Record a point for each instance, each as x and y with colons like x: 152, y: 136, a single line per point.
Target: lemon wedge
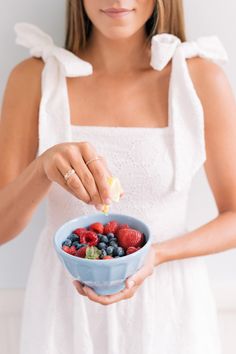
x: 115, y: 190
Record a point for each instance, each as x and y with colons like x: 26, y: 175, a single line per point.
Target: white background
x: 202, y: 18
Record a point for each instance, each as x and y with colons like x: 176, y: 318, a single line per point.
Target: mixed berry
x: 98, y: 241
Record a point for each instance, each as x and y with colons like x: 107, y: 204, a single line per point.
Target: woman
x: 128, y: 88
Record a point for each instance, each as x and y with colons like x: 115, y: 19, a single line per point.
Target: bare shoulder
x: 206, y: 74
x: 27, y: 72
x: 30, y: 65
x: 212, y: 86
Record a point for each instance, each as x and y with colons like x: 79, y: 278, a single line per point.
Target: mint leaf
x: 92, y: 252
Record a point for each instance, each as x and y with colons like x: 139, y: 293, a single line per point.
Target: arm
x: 22, y: 181
x: 219, y: 107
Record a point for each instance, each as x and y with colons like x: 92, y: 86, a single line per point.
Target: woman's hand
x: 89, y: 183
x: 132, y: 283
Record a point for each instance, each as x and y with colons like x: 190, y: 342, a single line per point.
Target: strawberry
x: 79, y: 231
x: 130, y: 238
x: 107, y: 257
x: 110, y: 227
x: 81, y: 252
x: 132, y: 250
x: 97, y: 227
x: 121, y: 226
x: 89, y: 237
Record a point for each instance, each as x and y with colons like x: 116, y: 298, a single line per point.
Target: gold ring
x: 69, y: 173
x: 94, y: 159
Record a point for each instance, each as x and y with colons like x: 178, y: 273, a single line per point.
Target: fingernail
x: 108, y: 201
x: 99, y: 207
x: 130, y: 284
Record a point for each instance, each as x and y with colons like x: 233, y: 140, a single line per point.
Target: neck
x: 119, y: 55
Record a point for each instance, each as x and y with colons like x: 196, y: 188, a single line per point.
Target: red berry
x: 66, y: 249
x: 110, y: 227
x: 89, y: 237
x: 107, y: 257
x: 121, y: 226
x: 130, y: 238
x: 132, y: 250
x: 79, y: 231
x: 97, y: 227
x: 71, y: 250
x: 81, y: 252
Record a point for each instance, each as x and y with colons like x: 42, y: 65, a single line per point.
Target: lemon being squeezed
x: 115, y: 192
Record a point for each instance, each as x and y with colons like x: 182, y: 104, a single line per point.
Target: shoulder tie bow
x: 186, y: 116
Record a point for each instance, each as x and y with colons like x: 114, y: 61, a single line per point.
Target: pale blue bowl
x: 103, y: 276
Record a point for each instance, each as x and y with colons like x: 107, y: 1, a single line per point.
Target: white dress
x: 173, y: 312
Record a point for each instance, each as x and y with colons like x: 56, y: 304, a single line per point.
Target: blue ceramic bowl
x: 103, y: 276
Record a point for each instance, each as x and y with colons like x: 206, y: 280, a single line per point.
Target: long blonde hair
x: 167, y: 17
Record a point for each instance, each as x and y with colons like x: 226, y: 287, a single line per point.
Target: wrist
x: 41, y: 171
x: 160, y: 256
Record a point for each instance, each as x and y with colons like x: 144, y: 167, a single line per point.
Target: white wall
x: 202, y: 18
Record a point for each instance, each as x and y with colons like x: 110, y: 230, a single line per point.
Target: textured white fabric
x: 173, y: 312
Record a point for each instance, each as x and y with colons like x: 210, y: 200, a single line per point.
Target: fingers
x: 89, y: 183
x: 109, y: 299
x: 79, y: 287
x: 86, y: 178
x: 99, y: 171
x: 74, y: 183
x: 145, y: 271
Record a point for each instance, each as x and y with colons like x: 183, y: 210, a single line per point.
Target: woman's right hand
x: 89, y: 183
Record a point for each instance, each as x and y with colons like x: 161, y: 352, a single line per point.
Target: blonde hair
x: 167, y: 17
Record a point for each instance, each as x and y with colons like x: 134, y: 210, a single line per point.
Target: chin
x: 116, y: 34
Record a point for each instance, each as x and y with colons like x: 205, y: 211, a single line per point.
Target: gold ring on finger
x: 94, y: 159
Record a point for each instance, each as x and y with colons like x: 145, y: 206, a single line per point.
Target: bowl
x: 108, y: 276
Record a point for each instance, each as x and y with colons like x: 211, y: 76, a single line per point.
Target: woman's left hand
x: 132, y: 283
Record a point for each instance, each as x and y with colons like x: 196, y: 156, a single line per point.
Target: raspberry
x: 132, y: 250
x: 110, y: 227
x: 79, y: 231
x: 130, y: 238
x: 81, y: 252
x: 70, y: 250
x: 89, y: 237
x: 66, y: 248
x: 97, y: 227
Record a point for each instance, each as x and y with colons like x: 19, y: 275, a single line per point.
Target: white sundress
x: 173, y: 312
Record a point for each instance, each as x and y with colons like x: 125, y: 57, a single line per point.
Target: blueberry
x: 102, y: 246
x: 100, y: 235
x: 67, y: 242
x: 73, y: 237
x: 104, y: 239
x: 113, y: 239
x: 110, y: 250
x: 119, y: 251
x: 77, y: 244
x: 110, y: 235
x: 103, y: 253
x: 113, y: 243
